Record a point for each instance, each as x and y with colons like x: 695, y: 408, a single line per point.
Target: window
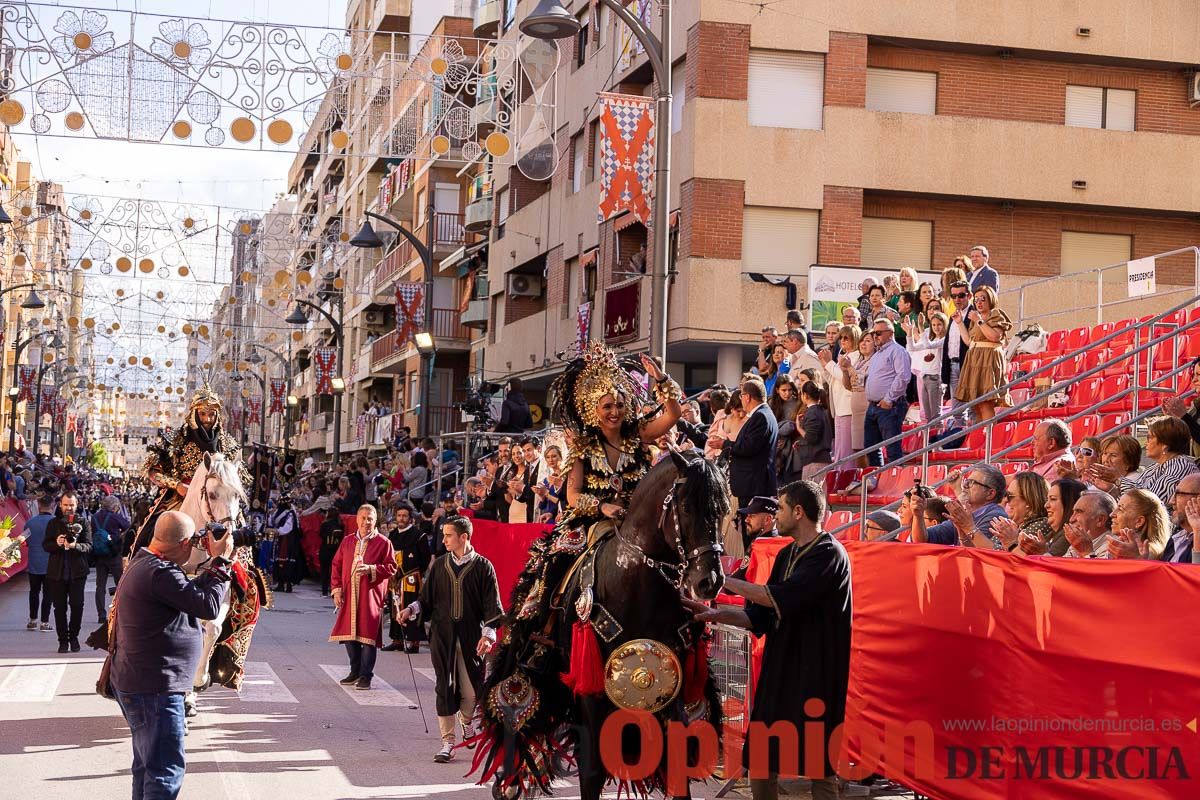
x: 786, y: 89
x: 603, y: 23
x: 578, y: 161
x: 896, y: 243
x: 502, y: 201
x: 594, y: 138
x: 581, y: 38
x: 589, y: 281
x: 1096, y: 107
x: 1086, y: 251
x: 679, y: 90
x: 901, y: 90
x: 572, y: 301
x: 778, y: 241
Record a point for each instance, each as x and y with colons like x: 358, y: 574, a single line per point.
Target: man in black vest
x: 751, y: 455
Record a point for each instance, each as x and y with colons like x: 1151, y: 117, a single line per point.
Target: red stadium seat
x: 1084, y: 393
x: 1194, y: 314
x: 1112, y: 424
x: 1056, y: 342
x: 1113, y: 385
x: 837, y: 482
x: 974, y: 440
x: 1102, y: 330
x: 1077, y: 338
x: 1024, y: 435
x: 839, y: 518
x: 892, y: 483
x: 1068, y: 368
x: 1013, y: 467
x: 1084, y: 427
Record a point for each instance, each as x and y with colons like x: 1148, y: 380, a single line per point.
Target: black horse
x: 667, y: 544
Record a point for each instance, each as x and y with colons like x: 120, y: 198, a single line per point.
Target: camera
x: 479, y: 401
x: 919, y: 489
x: 73, y: 531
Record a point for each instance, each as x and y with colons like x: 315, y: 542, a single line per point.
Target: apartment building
x: 417, y: 184
x: 854, y: 135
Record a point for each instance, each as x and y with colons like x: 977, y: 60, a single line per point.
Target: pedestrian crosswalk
x: 38, y: 680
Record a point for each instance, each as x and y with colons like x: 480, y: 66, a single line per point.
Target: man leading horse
x: 172, y: 464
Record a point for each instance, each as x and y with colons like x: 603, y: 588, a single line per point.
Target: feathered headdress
x: 595, y: 372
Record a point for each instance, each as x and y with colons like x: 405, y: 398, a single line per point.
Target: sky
x: 195, y: 175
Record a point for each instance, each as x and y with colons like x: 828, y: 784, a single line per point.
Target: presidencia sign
x: 831, y: 289
x: 1141, y: 277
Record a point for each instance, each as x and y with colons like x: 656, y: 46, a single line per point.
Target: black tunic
x: 807, y: 653
x: 412, y: 559
x: 458, y: 601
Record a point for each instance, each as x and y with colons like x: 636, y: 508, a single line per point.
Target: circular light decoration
x: 73, y: 121
x: 245, y: 392
x: 168, y: 363
x: 227, y: 366
x: 71, y: 361
x: 297, y: 336
x: 344, y: 61
x: 280, y: 131
x: 20, y: 260
x: 116, y: 326
x: 170, y: 334
x: 189, y: 223
x: 159, y: 295
x: 120, y: 292
x: 497, y: 144
x: 48, y: 358
x: 242, y: 129
x: 11, y: 113
x: 440, y: 145
x: 146, y: 361
x: 282, y: 277
x: 182, y: 129
x: 184, y: 271
x: 187, y: 328
x: 182, y: 49
x: 124, y: 264
x: 86, y: 263
x: 82, y: 41
x: 271, y: 303
x: 232, y: 301
x: 47, y: 321
x: 103, y: 387
x: 73, y: 322
x: 247, y: 276
x: 339, y: 139
x: 204, y: 331
x: 146, y: 265
x: 168, y: 390
x: 162, y: 328
x: 304, y: 278
x: 132, y: 360
x: 228, y: 334
x: 339, y: 283
x: 109, y: 360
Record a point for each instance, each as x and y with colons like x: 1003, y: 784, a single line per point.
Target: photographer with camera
x: 156, y: 644
x: 69, y: 542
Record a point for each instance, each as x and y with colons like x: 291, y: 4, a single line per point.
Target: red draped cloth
x: 999, y: 676
x: 358, y: 620
x: 507, y: 547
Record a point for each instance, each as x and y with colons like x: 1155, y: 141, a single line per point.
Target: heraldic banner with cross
x: 627, y: 133
x: 410, y: 309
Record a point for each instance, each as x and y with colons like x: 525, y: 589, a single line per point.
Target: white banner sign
x: 830, y: 289
x: 1141, y: 277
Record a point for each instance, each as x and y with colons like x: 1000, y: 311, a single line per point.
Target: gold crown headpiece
x: 603, y: 374
x: 204, y: 396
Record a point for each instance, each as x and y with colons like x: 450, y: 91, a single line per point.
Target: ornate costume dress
x: 525, y: 700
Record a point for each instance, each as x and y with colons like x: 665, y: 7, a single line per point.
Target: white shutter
x: 504, y: 206
x: 786, y: 90
x: 1084, y: 106
x: 778, y: 241
x: 579, y: 160
x: 1085, y: 251
x: 901, y: 90
x: 1118, y: 109
x: 896, y: 243
x: 679, y: 98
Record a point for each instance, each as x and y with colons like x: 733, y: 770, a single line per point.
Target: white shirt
x: 804, y: 358
x: 841, y: 398
x: 920, y: 347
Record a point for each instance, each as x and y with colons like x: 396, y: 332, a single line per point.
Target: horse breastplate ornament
x: 643, y: 675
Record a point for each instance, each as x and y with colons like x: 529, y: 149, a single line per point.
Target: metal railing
x: 1158, y: 321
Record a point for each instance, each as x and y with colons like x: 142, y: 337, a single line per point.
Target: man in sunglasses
x: 970, y: 522
x: 956, y: 344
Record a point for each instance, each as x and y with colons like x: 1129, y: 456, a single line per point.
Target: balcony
x: 386, y: 348
x: 476, y: 315
x: 448, y: 232
x: 447, y: 325
x: 448, y: 330
x: 478, y: 217
x: 484, y: 114
x: 487, y: 18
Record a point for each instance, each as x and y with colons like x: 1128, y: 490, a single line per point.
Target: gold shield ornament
x: 642, y: 675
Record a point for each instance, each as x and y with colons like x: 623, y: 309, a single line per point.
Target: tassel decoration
x: 695, y: 672
x: 586, y: 676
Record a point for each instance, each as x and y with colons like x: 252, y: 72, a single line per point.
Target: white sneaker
x: 445, y: 754
x: 46, y: 626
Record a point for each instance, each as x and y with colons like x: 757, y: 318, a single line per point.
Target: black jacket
x: 76, y: 560
x: 810, y: 444
x: 692, y: 432
x: 962, y: 351
x: 514, y: 414
x: 752, y: 456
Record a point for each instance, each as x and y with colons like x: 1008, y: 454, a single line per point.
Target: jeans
x: 110, y: 565
x: 362, y: 659
x: 62, y: 594
x: 157, y: 724
x: 39, y: 591
x: 881, y: 425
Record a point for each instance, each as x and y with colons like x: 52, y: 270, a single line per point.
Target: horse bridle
x: 206, y: 506
x: 673, y: 572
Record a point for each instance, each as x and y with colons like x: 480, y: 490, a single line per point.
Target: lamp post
x: 14, y: 392
x: 550, y: 20
x: 298, y: 317
x: 255, y: 358
x: 366, y: 238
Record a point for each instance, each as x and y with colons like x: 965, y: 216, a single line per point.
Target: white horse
x: 215, y: 494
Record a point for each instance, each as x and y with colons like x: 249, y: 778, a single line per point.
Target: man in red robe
x: 359, y: 579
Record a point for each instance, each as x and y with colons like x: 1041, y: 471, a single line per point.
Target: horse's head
x: 702, y: 504
x: 222, y: 494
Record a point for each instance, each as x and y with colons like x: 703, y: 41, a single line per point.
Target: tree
x: 98, y: 456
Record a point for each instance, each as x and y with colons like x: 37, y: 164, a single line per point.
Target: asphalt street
x: 292, y: 731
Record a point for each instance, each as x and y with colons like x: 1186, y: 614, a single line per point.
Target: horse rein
x: 672, y: 572
x: 206, y: 506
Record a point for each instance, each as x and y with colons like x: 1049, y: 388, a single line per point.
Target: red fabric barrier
x: 310, y: 537
x: 507, y: 547
x: 11, y: 508
x: 1022, y: 677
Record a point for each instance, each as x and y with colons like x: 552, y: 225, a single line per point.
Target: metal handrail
x: 923, y: 452
x: 1048, y: 366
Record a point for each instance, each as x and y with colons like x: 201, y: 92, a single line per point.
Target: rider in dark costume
x: 597, y: 400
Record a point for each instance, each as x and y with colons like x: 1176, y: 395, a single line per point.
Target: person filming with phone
x: 154, y: 629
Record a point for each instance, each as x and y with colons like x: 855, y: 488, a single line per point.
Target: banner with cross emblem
x: 627, y: 133
x: 410, y: 309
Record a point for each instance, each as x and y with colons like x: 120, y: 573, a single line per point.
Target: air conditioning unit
x: 1194, y: 89
x: 524, y: 286
x: 373, y: 317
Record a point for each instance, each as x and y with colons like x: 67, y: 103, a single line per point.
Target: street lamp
x: 550, y: 20
x: 298, y: 317
x: 366, y: 238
